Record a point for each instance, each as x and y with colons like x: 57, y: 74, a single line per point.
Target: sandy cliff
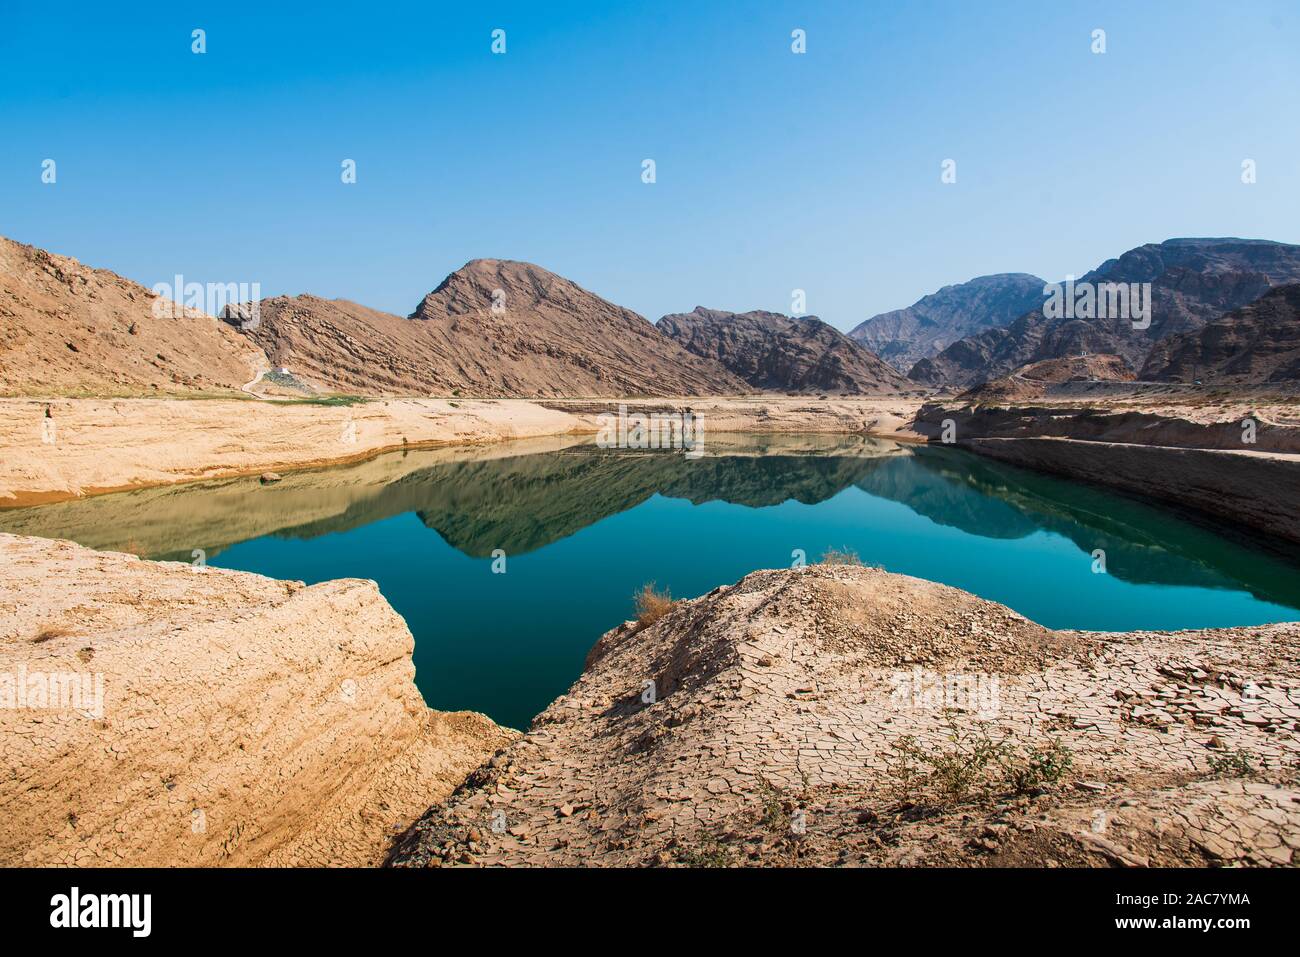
x: 87, y: 446
x: 226, y: 718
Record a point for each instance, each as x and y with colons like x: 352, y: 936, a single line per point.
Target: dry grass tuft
x: 651, y: 604
x: 840, y: 556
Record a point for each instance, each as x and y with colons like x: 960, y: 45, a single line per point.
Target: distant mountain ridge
x: 781, y: 353
x: 1193, y: 281
x: 903, y: 337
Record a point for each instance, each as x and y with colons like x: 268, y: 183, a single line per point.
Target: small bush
x: 651, y: 604
x: 1039, y: 768
x: 1235, y: 764
x: 976, y: 765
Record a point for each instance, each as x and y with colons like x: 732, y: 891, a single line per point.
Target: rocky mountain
x: 492, y: 328
x: 66, y: 328
x: 1034, y: 380
x: 779, y: 353
x: 1257, y: 343
x: 1193, y: 281
x: 903, y: 337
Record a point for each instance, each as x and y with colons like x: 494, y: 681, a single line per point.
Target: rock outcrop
x: 772, y: 352
x: 1258, y: 343
x: 159, y: 714
x: 904, y: 337
x: 840, y: 715
x: 67, y: 329
x: 1193, y: 281
x: 491, y: 328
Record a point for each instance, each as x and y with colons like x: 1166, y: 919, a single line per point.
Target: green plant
x: 1038, y: 769
x: 710, y: 853
x: 975, y: 764
x: 776, y: 816
x: 1234, y: 764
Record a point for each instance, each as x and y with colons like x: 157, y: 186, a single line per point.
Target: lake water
x: 582, y: 528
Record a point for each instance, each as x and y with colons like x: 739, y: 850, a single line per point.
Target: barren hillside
x: 1257, y: 343
x: 68, y: 329
x: 492, y: 328
x: 782, y: 353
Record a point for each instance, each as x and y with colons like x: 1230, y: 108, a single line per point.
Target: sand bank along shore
x: 155, y: 713
x: 90, y: 446
x: 840, y: 715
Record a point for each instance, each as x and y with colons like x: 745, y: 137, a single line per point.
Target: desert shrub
x: 1038, y: 768
x: 1235, y: 764
x: 651, y: 604
x: 975, y: 764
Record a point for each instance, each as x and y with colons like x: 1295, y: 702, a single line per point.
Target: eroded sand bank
x: 90, y: 446
x: 156, y: 713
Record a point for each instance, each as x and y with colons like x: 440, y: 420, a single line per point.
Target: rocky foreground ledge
x: 155, y: 713
x: 841, y: 715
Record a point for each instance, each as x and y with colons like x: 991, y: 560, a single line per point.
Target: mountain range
x: 906, y: 336
x: 1192, y: 282
x: 1220, y: 310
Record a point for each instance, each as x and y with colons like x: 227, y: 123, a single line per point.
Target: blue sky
x: 775, y: 171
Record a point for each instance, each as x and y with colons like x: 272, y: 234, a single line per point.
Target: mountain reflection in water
x: 583, y: 527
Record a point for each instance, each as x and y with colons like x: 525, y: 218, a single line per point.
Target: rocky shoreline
x: 840, y: 715
x: 1203, y: 465
x: 829, y: 715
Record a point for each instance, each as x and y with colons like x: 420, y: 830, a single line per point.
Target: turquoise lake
x: 582, y: 528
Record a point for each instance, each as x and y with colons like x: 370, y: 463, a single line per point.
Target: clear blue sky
x: 775, y: 171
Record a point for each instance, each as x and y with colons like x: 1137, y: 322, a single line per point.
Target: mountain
x: 67, y: 328
x: 493, y: 328
x: 1033, y: 381
x: 905, y: 336
x: 1193, y: 281
x: 1257, y: 343
x: 783, y: 354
